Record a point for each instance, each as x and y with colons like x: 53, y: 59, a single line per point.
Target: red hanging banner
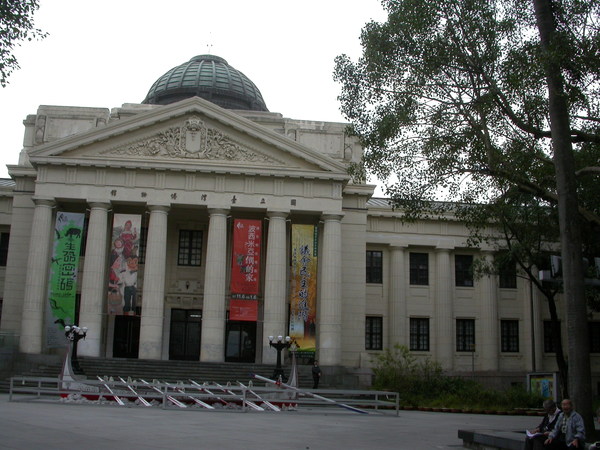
x: 245, y: 265
x: 245, y: 310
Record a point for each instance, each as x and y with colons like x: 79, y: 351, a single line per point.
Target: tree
x: 463, y: 98
x: 523, y: 234
x: 16, y: 25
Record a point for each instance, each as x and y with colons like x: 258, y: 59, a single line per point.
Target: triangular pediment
x: 191, y: 134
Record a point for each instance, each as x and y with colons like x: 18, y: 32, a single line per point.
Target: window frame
x: 548, y: 331
x: 189, y: 255
x: 373, y: 333
x: 509, y: 336
x: 374, y: 272
x: 463, y: 276
x: 507, y: 274
x: 419, y: 334
x: 419, y: 275
x: 465, y: 335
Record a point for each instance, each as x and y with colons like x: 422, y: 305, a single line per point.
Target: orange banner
x: 303, y: 289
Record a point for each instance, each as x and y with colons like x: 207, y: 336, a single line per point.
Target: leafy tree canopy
x: 16, y: 25
x: 452, y: 97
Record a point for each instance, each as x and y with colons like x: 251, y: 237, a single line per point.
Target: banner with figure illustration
x: 303, y: 289
x: 62, y: 279
x: 123, y: 264
x: 245, y: 270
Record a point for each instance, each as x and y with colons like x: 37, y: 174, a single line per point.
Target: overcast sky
x: 107, y: 53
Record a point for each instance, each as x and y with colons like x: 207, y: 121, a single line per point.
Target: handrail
x: 161, y: 392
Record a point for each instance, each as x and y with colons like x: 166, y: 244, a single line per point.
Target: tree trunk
x: 563, y: 372
x: 580, y: 383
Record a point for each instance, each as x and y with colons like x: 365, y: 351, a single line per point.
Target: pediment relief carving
x: 193, y: 140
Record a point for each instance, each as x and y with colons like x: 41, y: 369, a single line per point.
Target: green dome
x: 209, y: 77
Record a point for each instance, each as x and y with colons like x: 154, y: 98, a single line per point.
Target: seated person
x: 542, y: 431
x: 569, y: 431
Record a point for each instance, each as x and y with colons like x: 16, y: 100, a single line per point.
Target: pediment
x: 193, y: 134
x: 191, y: 139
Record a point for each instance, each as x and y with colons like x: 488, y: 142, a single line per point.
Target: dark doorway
x: 241, y: 342
x: 184, y: 341
x: 126, y: 341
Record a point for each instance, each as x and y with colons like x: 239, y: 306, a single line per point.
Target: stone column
x: 153, y: 299
x: 397, y: 322
x: 275, y: 311
x: 444, y: 311
x: 93, y: 283
x: 36, y: 280
x: 487, y: 350
x: 213, y: 310
x: 329, y: 330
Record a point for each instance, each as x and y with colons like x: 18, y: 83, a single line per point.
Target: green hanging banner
x: 62, y: 280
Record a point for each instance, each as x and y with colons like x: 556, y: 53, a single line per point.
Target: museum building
x: 197, y: 224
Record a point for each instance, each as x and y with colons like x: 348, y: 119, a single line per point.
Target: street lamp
x: 279, y: 346
x: 74, y: 334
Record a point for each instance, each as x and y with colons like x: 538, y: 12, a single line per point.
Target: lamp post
x: 279, y: 346
x: 74, y: 334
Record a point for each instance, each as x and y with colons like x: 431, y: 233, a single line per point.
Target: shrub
x: 421, y: 382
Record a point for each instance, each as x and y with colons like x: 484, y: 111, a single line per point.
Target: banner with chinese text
x: 123, y: 264
x: 62, y: 279
x: 245, y: 269
x: 303, y: 289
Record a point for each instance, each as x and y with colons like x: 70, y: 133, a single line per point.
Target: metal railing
x: 200, y: 395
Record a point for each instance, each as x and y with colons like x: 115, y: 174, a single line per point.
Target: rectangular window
x: 419, y: 334
x: 508, y: 274
x: 374, y: 333
x: 594, y: 331
x: 190, y: 248
x: 419, y: 269
x: 463, y: 270
x: 509, y: 335
x: 549, y: 346
x: 4, y: 237
x: 374, y: 266
x: 465, y: 335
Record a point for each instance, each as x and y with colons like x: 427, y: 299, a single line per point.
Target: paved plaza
x: 54, y: 425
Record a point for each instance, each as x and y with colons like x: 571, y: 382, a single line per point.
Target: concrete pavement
x: 51, y: 424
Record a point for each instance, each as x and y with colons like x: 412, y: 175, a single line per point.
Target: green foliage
x: 453, y: 96
x: 16, y: 25
x: 421, y: 382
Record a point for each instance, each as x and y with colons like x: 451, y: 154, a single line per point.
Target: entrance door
x: 184, y: 341
x: 241, y: 342
x: 126, y: 340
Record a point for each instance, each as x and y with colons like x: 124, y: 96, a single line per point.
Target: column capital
x: 335, y: 217
x: 398, y: 247
x: 44, y: 201
x: 99, y: 204
x: 278, y: 214
x: 218, y: 210
x: 159, y: 208
x: 443, y: 248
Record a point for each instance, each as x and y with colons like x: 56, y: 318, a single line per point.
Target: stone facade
x: 192, y: 165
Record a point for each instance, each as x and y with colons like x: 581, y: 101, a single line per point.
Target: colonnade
x: 93, y: 283
x: 444, y: 315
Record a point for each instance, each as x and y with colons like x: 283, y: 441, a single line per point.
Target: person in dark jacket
x: 316, y: 374
x: 541, y: 433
